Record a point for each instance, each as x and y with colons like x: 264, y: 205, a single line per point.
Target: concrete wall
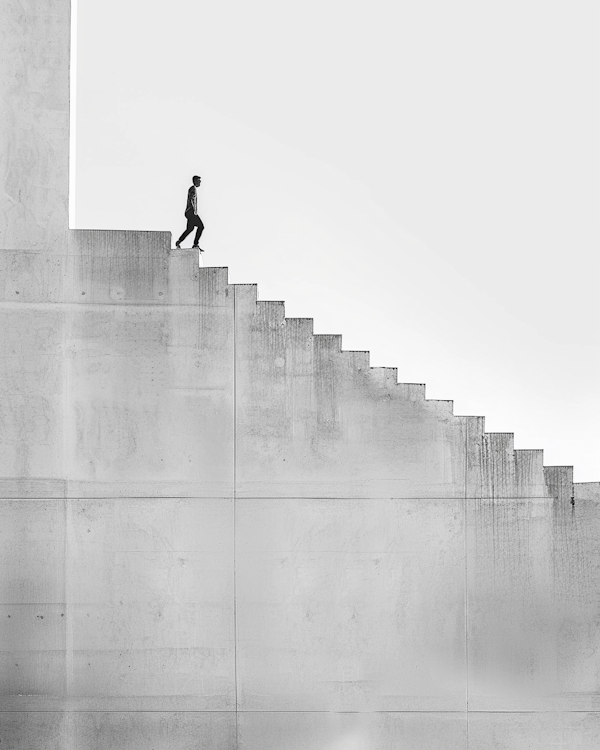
x: 222, y: 530
x: 34, y: 135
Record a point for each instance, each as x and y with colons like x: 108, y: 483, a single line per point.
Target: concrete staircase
x: 213, y: 515
x: 310, y: 389
x: 220, y: 530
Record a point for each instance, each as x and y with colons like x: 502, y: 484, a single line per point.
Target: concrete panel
x: 125, y: 731
x: 151, y: 604
x: 534, y: 731
x: 105, y: 267
x: 32, y: 599
x: 152, y: 397
x: 34, y: 276
x: 511, y: 626
x: 534, y: 609
x: 120, y: 266
x: 140, y: 617
x: 151, y: 401
x: 32, y: 667
x: 350, y: 605
x: 32, y: 393
x: 33, y: 731
x: 314, y: 421
x: 34, y: 112
x: 352, y: 731
x: 120, y: 400
x: 576, y: 566
x: 32, y: 552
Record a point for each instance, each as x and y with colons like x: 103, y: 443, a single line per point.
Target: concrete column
x: 35, y: 40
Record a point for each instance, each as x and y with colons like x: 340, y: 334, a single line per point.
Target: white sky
x: 422, y: 177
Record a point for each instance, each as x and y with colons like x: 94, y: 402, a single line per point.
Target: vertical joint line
x: 68, y: 596
x: 466, y: 550
x: 235, y: 678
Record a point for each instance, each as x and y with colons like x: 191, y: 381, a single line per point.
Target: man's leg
x: 199, y: 229
x: 188, y: 230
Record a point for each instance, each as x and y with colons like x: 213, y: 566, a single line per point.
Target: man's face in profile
x: 197, y: 181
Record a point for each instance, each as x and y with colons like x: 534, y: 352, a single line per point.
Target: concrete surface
x: 34, y: 111
x: 350, y: 605
x: 158, y: 572
x: 80, y: 730
x: 90, y: 383
x: 313, y: 421
x: 219, y: 530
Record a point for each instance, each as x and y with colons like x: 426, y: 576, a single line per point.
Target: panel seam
x: 235, y: 679
x: 466, y: 578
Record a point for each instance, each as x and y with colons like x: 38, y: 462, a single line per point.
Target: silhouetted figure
x: 191, y: 214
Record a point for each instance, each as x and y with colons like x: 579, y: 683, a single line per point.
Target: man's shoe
x: 196, y: 247
x: 178, y: 244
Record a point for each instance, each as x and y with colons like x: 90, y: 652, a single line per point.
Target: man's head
x: 196, y: 180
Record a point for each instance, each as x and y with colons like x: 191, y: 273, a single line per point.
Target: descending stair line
x: 523, y: 466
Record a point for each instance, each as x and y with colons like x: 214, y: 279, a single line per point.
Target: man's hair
x: 195, y: 177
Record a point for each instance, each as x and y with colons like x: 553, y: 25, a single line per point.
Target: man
x: 191, y: 214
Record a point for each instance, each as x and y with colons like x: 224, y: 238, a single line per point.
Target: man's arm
x: 193, y: 196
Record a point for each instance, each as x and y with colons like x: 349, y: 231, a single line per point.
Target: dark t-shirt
x: 192, y: 201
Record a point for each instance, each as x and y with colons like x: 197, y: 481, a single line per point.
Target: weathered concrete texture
x: 33, y: 631
x: 117, y: 604
x: 123, y: 391
x: 219, y: 530
x: 495, y: 469
x: 533, y: 599
x: 350, y: 605
x: 510, y: 612
x: 576, y: 566
x: 34, y: 112
x: 352, y: 731
x: 151, y: 595
x: 32, y: 382
x: 315, y: 421
x: 123, y: 730
x: 100, y: 267
x: 534, y: 731
x: 139, y: 363
x: 247, y: 517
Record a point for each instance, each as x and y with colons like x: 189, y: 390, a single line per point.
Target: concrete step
x: 559, y: 483
x: 496, y: 468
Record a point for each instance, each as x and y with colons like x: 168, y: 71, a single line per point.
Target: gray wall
x: 218, y: 525
x: 34, y: 117
x: 220, y: 530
